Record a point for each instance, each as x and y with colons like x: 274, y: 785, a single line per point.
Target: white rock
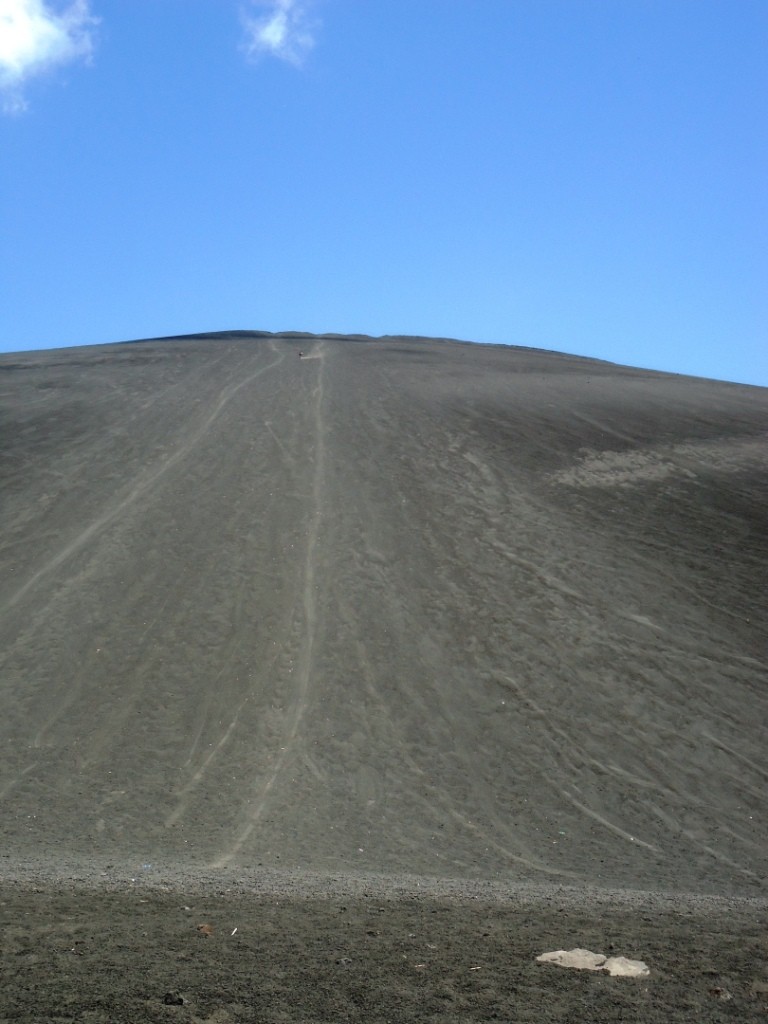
x: 581, y: 959
x: 586, y: 960
x: 620, y: 966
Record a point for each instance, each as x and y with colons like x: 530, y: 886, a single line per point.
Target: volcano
x: 406, y: 609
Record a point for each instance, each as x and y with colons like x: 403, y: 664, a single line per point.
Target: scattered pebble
x: 720, y: 993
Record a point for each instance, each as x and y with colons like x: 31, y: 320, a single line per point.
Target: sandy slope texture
x: 399, y: 606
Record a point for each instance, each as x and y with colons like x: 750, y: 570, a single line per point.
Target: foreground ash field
x: 401, y: 620
x: 400, y: 606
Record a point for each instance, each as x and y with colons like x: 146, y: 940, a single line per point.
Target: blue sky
x: 580, y: 175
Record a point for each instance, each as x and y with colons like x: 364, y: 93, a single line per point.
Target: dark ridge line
x: 371, y: 338
x: 255, y: 335
x: 421, y: 338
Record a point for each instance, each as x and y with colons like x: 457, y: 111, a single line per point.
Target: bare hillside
x: 400, y: 606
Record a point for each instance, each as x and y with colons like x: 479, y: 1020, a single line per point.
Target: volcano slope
x: 410, y: 614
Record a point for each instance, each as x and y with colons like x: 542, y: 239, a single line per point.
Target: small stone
x: 720, y: 993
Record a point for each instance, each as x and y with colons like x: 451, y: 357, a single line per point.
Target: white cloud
x: 282, y: 29
x: 35, y: 37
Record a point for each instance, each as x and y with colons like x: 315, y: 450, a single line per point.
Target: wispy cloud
x: 282, y: 28
x: 35, y: 37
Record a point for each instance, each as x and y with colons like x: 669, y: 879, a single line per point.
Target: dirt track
x: 400, y: 607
